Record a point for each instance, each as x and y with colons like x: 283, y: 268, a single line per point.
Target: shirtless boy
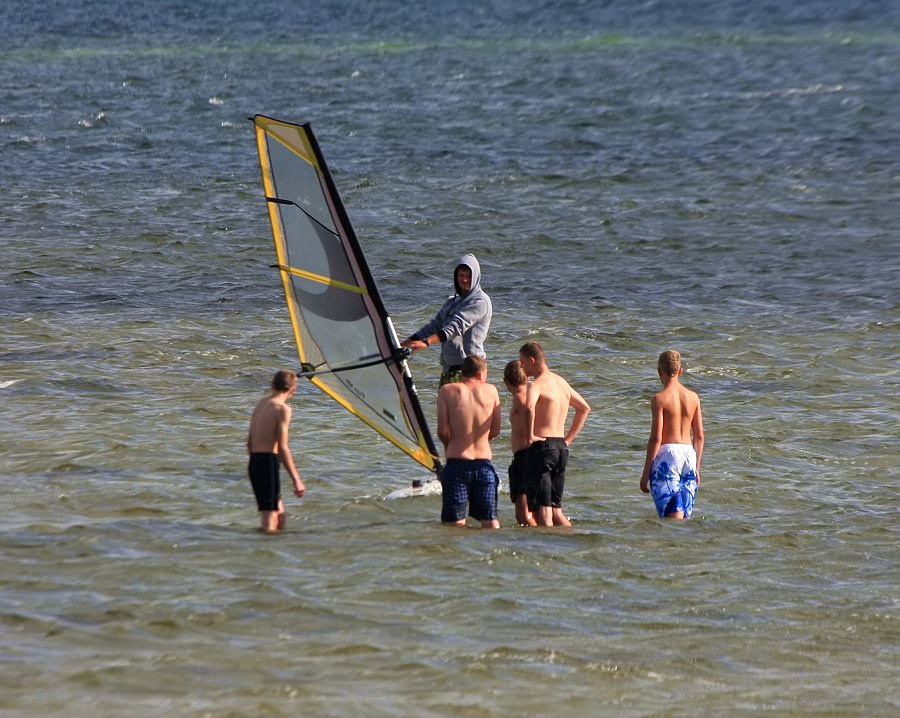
x: 517, y: 384
x: 547, y: 402
x: 468, y: 418
x: 672, y: 467
x: 267, y: 444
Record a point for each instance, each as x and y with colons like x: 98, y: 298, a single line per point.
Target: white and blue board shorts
x: 673, y: 479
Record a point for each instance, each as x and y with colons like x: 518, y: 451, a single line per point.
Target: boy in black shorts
x: 267, y: 444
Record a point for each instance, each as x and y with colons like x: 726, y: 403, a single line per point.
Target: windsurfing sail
x: 345, y: 339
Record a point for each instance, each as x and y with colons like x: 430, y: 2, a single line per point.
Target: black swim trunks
x: 546, y: 472
x: 518, y: 476
x: 263, y: 472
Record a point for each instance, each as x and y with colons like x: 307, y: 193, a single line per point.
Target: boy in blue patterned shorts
x: 468, y: 418
x: 672, y: 466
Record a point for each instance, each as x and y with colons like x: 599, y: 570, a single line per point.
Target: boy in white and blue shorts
x: 673, y: 479
x: 672, y: 465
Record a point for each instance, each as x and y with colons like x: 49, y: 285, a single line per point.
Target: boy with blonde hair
x: 672, y: 466
x: 519, y: 438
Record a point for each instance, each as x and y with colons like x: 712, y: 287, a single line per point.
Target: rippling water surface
x: 711, y: 177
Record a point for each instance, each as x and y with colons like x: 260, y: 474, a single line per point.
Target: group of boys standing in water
x: 468, y: 414
x: 469, y: 418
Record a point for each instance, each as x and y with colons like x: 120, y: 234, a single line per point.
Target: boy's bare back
x: 677, y: 408
x: 516, y: 383
x: 551, y: 408
x: 268, y: 434
x: 675, y: 415
x: 468, y: 418
x: 519, y: 434
x: 549, y: 398
x: 269, y: 419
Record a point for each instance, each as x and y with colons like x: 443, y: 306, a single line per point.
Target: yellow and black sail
x: 345, y: 339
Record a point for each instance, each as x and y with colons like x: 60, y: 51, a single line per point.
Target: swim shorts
x: 673, y: 479
x: 546, y: 472
x: 469, y: 484
x: 263, y: 472
x: 517, y: 474
x: 451, y: 374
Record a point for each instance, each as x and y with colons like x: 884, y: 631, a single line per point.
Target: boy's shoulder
x: 263, y: 404
x: 550, y: 379
x: 486, y: 389
x: 687, y: 390
x: 668, y: 389
x: 669, y: 392
x: 278, y: 407
x: 454, y: 389
x: 519, y: 398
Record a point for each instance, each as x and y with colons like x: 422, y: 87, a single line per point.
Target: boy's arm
x: 250, y: 429
x: 495, y: 417
x: 582, y: 409
x: 653, y: 443
x: 419, y: 340
x: 531, y: 396
x: 284, y: 451
x: 697, y: 436
x: 443, y: 418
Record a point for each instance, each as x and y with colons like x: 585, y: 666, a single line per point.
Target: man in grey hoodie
x: 461, y: 325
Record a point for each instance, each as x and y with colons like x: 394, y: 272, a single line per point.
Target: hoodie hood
x: 467, y: 260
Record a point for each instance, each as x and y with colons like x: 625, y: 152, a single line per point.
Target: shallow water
x: 714, y: 178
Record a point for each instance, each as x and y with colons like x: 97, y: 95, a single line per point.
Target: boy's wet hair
x: 669, y: 362
x: 514, y: 374
x: 533, y: 350
x: 284, y: 380
x: 472, y: 366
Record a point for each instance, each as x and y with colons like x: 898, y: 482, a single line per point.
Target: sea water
x: 716, y: 177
